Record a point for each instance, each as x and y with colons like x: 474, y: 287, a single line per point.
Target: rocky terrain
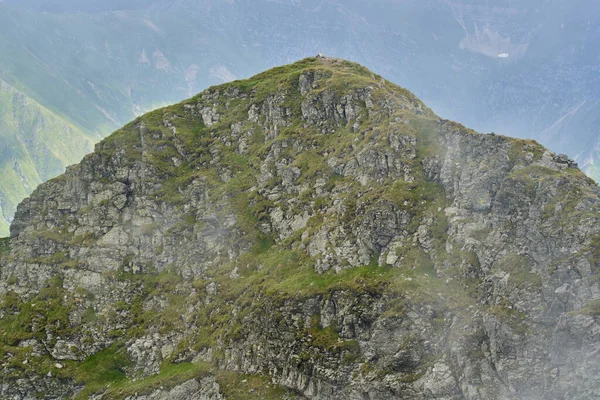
x: 74, y: 71
x: 314, y: 232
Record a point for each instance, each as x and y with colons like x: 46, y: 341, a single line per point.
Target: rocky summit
x: 314, y: 232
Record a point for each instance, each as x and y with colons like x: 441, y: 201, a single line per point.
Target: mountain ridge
x: 312, y: 232
x: 84, y: 61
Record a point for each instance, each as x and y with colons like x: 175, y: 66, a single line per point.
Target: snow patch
x: 143, y: 59
x: 160, y: 61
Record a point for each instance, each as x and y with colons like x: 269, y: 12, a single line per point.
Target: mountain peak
x: 315, y: 231
x: 319, y: 72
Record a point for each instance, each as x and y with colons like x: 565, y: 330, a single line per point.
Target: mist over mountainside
x: 527, y: 68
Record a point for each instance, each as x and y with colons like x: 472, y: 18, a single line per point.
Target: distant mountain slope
x: 36, y: 145
x: 527, y: 68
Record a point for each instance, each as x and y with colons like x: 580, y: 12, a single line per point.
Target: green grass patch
x: 519, y: 147
x: 507, y: 313
x: 101, y: 369
x: 105, y: 372
x: 4, y: 246
x: 236, y: 386
x: 46, y: 313
x: 519, y: 268
x: 592, y: 308
x: 536, y: 172
x: 170, y: 376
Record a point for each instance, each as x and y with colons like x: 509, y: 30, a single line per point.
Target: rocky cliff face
x: 314, y: 232
x: 470, y: 60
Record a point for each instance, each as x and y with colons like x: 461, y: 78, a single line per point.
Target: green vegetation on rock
x: 312, y: 230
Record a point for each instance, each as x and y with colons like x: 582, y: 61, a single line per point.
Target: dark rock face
x: 317, y: 228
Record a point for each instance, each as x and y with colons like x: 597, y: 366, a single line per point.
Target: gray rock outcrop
x: 316, y: 227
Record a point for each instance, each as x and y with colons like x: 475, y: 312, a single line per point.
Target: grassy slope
x: 36, y: 146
